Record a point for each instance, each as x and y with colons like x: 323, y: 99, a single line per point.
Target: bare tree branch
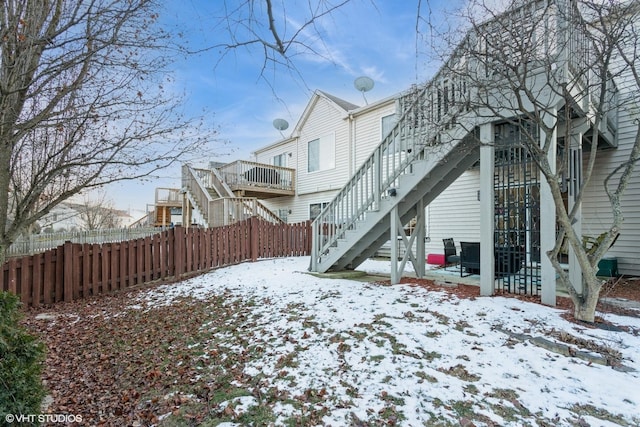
x: 278, y: 38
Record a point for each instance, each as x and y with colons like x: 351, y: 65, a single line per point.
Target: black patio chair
x: 469, y: 258
x: 450, y: 253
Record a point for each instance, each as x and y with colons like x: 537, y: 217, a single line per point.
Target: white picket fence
x: 29, y: 245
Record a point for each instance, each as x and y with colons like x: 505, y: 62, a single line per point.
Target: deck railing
x: 168, y: 196
x: 244, y: 174
x: 213, y: 180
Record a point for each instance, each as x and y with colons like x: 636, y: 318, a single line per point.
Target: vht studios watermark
x: 42, y: 418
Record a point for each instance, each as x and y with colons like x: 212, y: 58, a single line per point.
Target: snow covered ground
x: 373, y: 353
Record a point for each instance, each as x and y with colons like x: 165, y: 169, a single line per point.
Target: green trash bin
x: 608, y: 267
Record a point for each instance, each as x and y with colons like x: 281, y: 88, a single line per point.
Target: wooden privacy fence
x: 73, y: 271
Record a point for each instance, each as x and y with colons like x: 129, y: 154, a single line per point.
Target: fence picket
x: 86, y: 269
x: 76, y: 262
x: 170, y: 248
x: 13, y: 272
x: 67, y: 258
x: 37, y: 280
x: 215, y: 255
x: 25, y: 283
x: 95, y: 269
x: 147, y: 268
x: 59, y: 281
x: 131, y: 264
x: 124, y: 265
x: 115, y: 266
x: 105, y: 268
x: 49, y: 278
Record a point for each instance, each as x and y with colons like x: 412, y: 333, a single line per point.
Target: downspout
x: 352, y: 144
x: 297, y: 167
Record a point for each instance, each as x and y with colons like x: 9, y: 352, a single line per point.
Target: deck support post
x: 315, y: 245
x: 398, y: 238
x: 393, y: 240
x: 487, y: 210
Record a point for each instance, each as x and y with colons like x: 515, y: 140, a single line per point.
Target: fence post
x: 67, y: 256
x: 314, y: 244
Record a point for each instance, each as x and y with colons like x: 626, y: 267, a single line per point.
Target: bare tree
x: 98, y: 212
x: 85, y: 100
x: 553, y: 70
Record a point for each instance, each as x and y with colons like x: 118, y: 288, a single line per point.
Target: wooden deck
x: 251, y: 179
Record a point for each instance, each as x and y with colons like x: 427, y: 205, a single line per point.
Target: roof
x: 345, y: 105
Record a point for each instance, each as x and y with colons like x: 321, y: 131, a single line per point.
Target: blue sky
x: 374, y: 38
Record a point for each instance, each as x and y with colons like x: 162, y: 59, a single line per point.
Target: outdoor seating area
x: 467, y: 262
x: 508, y: 260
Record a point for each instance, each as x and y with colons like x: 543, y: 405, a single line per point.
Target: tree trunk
x: 585, y: 305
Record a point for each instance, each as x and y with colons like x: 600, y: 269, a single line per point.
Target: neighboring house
x: 63, y: 217
x: 69, y: 216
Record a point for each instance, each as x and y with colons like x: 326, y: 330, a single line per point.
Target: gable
x: 323, y: 100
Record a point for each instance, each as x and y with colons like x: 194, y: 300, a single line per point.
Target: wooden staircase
x: 216, y: 203
x: 414, y: 163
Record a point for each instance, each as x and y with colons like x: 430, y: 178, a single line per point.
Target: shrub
x: 21, y: 357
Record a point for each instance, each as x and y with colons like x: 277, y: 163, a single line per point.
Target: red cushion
x: 435, y: 259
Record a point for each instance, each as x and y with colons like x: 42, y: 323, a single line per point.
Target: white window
x: 386, y: 126
x: 321, y: 154
x: 280, y: 160
x: 388, y: 123
x: 313, y: 155
x: 283, y: 214
x: 315, y: 209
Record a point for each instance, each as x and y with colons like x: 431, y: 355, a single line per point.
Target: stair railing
x: 194, y: 181
x: 265, y: 213
x: 229, y: 210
